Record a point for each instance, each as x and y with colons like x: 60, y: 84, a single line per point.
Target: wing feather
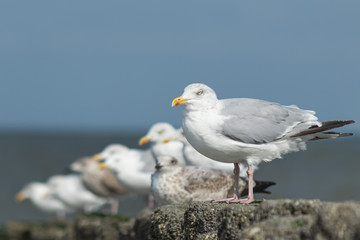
x: 256, y: 121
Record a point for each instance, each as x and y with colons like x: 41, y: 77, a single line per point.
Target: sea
x: 328, y: 170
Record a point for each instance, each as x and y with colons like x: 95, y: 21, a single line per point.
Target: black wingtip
x: 261, y: 186
x: 324, y: 127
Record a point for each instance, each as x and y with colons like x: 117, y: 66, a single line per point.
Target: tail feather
x: 329, y: 135
x: 324, y: 127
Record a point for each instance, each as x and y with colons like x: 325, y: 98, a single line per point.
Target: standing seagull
x: 101, y: 182
x: 41, y: 195
x: 243, y: 130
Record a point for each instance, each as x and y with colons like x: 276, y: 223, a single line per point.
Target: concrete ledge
x: 268, y: 219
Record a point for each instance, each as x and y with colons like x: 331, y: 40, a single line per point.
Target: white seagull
x: 42, y: 197
x: 70, y: 189
x: 250, y: 131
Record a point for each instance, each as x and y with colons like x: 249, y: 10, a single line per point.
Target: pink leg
x: 250, y: 197
x: 151, y: 201
x: 115, y: 207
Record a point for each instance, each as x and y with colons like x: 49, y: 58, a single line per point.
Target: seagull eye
x: 200, y: 92
x: 161, y: 131
x: 173, y: 161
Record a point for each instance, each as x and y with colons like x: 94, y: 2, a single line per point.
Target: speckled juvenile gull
x: 70, y: 189
x: 246, y: 130
x: 174, y: 184
x: 42, y: 198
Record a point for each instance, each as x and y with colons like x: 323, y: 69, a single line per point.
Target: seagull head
x: 80, y: 165
x: 113, y: 163
x: 197, y: 96
x: 31, y: 190
x: 109, y: 151
x: 158, y: 132
x: 166, y: 163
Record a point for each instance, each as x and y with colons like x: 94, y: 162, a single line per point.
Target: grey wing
x: 256, y: 121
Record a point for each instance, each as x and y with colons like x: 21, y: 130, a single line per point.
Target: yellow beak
x: 144, y: 140
x: 179, y: 100
x: 97, y: 157
x: 103, y: 166
x: 19, y: 197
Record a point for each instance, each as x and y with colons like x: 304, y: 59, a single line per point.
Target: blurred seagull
x: 249, y: 131
x: 132, y: 169
x: 174, y: 184
x: 41, y: 197
x: 70, y: 189
x: 101, y: 182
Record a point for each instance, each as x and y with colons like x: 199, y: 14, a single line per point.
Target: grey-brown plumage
x: 174, y: 184
x: 100, y: 182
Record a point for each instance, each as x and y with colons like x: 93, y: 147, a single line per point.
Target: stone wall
x: 269, y: 219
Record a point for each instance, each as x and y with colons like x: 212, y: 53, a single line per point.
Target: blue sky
x: 117, y: 65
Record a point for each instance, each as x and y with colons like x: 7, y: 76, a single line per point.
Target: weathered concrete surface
x: 269, y: 219
x: 56, y: 230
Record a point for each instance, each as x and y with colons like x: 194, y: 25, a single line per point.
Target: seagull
x: 132, y: 169
x: 101, y: 182
x: 42, y: 197
x: 249, y: 131
x: 175, y: 184
x: 157, y: 135
x: 70, y: 189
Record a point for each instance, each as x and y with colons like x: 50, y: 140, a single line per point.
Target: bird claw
x: 235, y: 199
x: 246, y: 201
x: 228, y: 200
